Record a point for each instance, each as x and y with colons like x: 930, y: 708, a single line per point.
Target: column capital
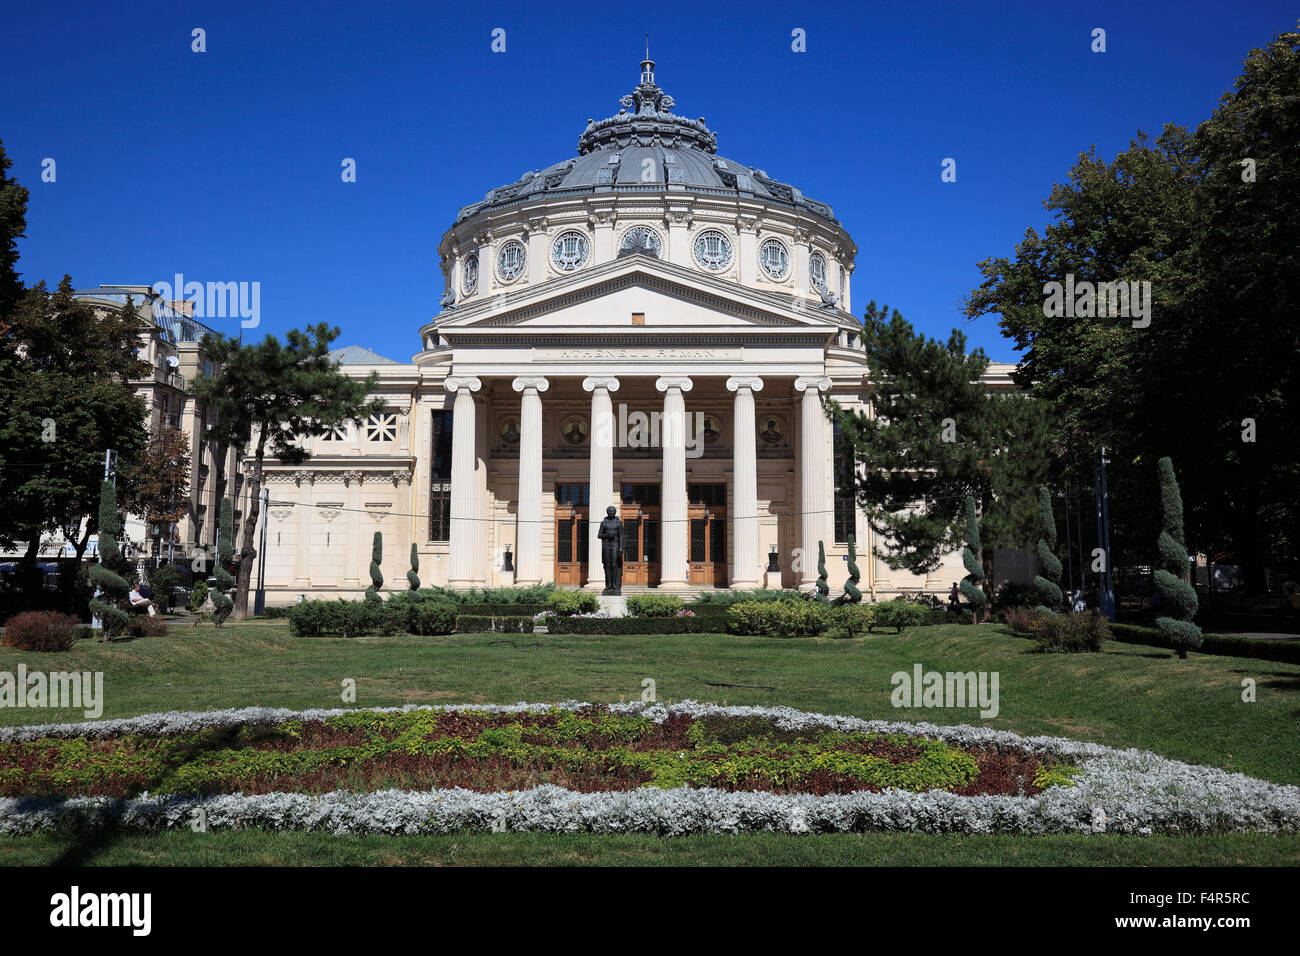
x: 751, y: 382
x: 674, y: 381
x: 525, y: 383
x: 607, y: 382
x: 818, y: 382
x: 454, y: 383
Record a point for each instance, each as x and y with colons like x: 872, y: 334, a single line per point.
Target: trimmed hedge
x: 573, y: 602
x: 1226, y: 645
x: 727, y: 598
x: 781, y: 618
x: 654, y: 605
x: 707, y: 624
x: 355, y: 618
x: 531, y: 595
x: 494, y: 623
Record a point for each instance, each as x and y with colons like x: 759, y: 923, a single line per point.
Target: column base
x: 745, y: 585
x: 672, y: 586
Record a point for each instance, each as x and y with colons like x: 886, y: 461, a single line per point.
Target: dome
x: 646, y: 148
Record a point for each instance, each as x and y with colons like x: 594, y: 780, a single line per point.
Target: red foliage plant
x: 42, y: 631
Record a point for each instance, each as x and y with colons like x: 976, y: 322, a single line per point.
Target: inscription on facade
x: 667, y: 352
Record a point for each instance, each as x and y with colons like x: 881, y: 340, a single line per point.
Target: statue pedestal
x: 615, y: 604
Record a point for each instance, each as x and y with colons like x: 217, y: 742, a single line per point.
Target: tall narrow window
x: 440, y: 478
x: 845, y: 506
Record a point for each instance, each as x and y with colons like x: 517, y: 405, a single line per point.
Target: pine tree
x: 1176, y: 595
x: 222, y: 604
x: 412, y: 576
x: 376, y: 577
x: 970, y: 585
x: 1049, y: 565
x: 114, y: 587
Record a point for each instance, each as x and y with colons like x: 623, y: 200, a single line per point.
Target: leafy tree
x: 971, y: 584
x: 1176, y: 595
x: 160, y: 478
x: 13, y: 226
x: 937, y: 436
x: 1212, y: 220
x: 1049, y: 565
x: 64, y: 373
x: 222, y: 604
x: 269, y: 395
x: 412, y: 576
x: 113, y: 587
x: 376, y: 576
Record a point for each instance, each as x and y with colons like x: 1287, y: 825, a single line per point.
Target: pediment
x: 669, y: 297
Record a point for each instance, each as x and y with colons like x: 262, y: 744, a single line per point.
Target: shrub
x: 1049, y: 592
x: 852, y: 620
x: 1283, y: 651
x: 1021, y: 620
x: 900, y: 613
x: 1015, y: 594
x: 703, y: 624
x: 376, y: 576
x: 781, y: 618
x: 433, y: 617
x: 198, y: 595
x: 492, y: 624
x: 277, y: 613
x: 573, y: 602
x: 851, y: 591
x: 112, y: 585
x: 970, y: 557
x: 142, y: 625
x: 728, y: 598
x: 654, y: 605
x: 536, y: 594
x: 1070, y: 633
x: 345, y: 618
x: 42, y: 631
x: 413, y: 575
x: 1177, y: 596
x: 162, y: 580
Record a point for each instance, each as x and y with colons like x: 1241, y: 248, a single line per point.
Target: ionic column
x: 602, y: 471
x: 528, y: 533
x: 674, y: 572
x: 463, y: 562
x: 746, y: 568
x: 814, y: 505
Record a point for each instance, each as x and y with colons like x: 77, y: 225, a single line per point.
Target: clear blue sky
x: 225, y: 165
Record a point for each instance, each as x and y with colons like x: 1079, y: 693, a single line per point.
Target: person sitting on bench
x: 139, y: 603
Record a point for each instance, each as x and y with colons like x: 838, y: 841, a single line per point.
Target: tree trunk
x: 986, y: 559
x: 247, y: 551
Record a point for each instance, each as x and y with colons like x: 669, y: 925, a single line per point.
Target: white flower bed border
x: 1118, y: 791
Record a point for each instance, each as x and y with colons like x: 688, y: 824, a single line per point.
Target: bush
x: 654, y: 605
x: 703, y: 624
x: 349, y: 618
x: 1021, y: 620
x: 537, y: 594
x: 1287, y: 652
x: 900, y: 613
x: 781, y: 618
x: 162, y: 580
x: 431, y: 618
x: 1069, y: 633
x: 493, y: 624
x: 142, y: 625
x: 277, y: 613
x: 573, y: 602
x: 43, y: 631
x: 852, y: 620
x: 1015, y: 594
x: 198, y: 595
x: 728, y: 598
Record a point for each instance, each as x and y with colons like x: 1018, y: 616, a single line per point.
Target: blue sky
x: 225, y: 165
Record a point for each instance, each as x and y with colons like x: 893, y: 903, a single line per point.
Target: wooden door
x: 641, y: 527
x: 706, y: 530
x: 571, y: 530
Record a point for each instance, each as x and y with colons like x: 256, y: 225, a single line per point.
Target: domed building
x: 647, y: 325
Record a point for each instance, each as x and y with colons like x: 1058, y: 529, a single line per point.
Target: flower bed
x: 685, y: 768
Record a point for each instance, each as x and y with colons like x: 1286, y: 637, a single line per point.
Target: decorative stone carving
x: 350, y: 477
x: 820, y: 383
x: 300, y: 476
x: 454, y: 383
x: 608, y: 383
x: 523, y: 383
x: 674, y: 381
x: 737, y: 382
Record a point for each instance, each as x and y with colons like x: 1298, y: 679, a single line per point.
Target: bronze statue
x: 611, y: 550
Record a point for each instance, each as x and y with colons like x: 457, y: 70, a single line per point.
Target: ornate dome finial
x: 647, y: 115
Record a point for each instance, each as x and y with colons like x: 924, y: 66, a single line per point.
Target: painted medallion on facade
x: 509, y: 431
x: 574, y: 430
x: 771, y: 429
x: 712, y: 428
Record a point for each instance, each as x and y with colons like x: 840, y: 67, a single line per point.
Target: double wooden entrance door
x: 706, y: 528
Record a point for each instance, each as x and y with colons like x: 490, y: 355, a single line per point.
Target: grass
x: 1128, y: 696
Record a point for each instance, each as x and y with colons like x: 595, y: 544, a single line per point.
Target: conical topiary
x: 412, y: 576
x: 1049, y: 565
x: 970, y: 557
x: 851, y: 585
x: 376, y: 577
x: 112, y: 586
x: 1178, y: 598
x: 222, y: 604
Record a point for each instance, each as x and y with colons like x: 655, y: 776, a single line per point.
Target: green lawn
x: 1128, y: 696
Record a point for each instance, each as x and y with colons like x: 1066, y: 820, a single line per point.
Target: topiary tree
x: 222, y: 603
x: 970, y: 585
x: 113, y: 587
x: 1049, y: 592
x: 852, y: 594
x: 412, y: 577
x: 376, y: 578
x: 821, y: 589
x: 1176, y: 595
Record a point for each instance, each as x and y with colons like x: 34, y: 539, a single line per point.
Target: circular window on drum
x: 643, y: 240
x: 713, y: 250
x: 569, y: 251
x: 510, y: 260
x: 470, y: 268
x: 817, y: 271
x: 774, y: 258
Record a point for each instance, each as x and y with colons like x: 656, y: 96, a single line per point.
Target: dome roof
x: 645, y: 148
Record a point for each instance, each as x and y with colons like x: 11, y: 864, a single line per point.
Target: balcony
x: 162, y: 376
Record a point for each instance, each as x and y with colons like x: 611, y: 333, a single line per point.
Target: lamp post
x: 1106, y: 593
x: 259, y: 602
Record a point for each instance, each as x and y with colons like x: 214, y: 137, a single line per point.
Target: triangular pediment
x: 667, y: 297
